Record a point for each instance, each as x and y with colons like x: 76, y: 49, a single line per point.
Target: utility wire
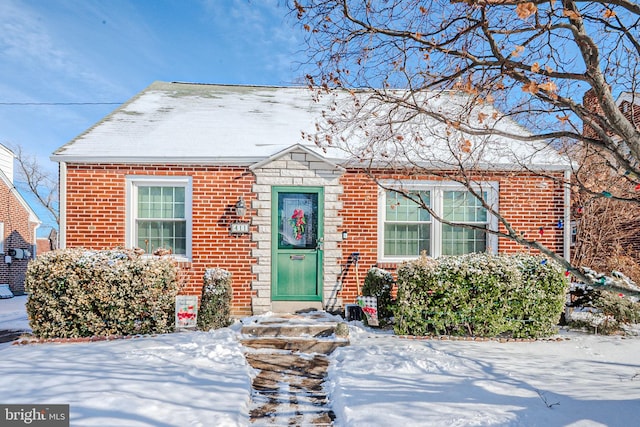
x: 60, y: 103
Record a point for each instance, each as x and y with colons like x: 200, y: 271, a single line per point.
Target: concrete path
x: 289, y: 354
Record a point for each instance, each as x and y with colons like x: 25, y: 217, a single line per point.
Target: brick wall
x: 96, y: 219
x: 18, y: 233
x: 528, y: 201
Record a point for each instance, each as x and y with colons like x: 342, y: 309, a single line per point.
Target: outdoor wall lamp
x: 241, y: 207
x: 345, y: 234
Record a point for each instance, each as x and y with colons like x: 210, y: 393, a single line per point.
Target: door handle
x: 320, y: 245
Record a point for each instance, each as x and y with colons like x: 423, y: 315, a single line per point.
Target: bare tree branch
x: 39, y: 182
x: 534, y: 60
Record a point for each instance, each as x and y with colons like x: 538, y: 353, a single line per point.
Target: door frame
x: 275, y: 190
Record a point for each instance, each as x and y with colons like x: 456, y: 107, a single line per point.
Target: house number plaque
x: 239, y: 228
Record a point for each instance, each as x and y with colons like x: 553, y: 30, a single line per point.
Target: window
x: 407, y: 227
x: 464, y: 208
x: 2, y: 237
x: 407, y: 230
x: 159, y: 213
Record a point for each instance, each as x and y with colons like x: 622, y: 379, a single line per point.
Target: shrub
x: 605, y: 311
x: 215, y: 303
x: 480, y: 295
x: 378, y: 283
x: 82, y: 293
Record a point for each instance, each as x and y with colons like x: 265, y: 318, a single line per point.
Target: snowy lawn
x: 201, y: 379
x: 182, y: 379
x: 585, y: 381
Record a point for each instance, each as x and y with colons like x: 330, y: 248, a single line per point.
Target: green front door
x: 297, y: 227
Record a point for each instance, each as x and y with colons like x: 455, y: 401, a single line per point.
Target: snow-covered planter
x: 378, y: 283
x: 480, y: 295
x: 83, y: 293
x: 215, y: 303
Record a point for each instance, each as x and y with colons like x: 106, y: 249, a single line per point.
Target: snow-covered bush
x: 215, y: 303
x: 480, y: 295
x: 605, y: 311
x: 82, y: 293
x: 379, y: 283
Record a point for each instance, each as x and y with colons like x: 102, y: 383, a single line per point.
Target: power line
x: 60, y: 103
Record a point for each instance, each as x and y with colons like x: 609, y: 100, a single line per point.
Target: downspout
x: 34, y: 246
x: 567, y: 215
x: 62, y: 233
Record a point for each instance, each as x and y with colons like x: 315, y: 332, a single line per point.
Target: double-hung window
x: 462, y: 207
x: 407, y: 230
x: 407, y: 227
x: 159, y: 214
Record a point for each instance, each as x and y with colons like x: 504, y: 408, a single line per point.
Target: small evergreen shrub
x: 215, y: 303
x: 81, y: 293
x: 605, y: 311
x: 480, y: 295
x: 378, y: 283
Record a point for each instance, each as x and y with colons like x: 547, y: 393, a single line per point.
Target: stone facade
x: 302, y: 168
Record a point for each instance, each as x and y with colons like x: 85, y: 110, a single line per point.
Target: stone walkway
x: 289, y: 354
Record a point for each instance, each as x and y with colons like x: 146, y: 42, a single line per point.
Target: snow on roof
x: 219, y: 124
x: 630, y: 97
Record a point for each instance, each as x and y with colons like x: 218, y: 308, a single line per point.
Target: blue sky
x: 91, y: 51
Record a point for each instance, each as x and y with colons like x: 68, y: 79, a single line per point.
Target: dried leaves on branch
x: 533, y: 60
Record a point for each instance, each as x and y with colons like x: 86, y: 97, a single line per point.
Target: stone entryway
x: 289, y: 354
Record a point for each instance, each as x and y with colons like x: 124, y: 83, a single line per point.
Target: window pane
x: 161, y: 202
x: 297, y: 220
x: 162, y: 234
x: 462, y: 206
x: 399, y: 208
x: 407, y: 239
x: 461, y: 240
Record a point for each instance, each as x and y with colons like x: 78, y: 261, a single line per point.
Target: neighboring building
x: 629, y: 105
x: 222, y: 177
x: 18, y: 224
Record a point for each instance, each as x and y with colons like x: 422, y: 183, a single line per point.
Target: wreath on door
x: 298, y: 221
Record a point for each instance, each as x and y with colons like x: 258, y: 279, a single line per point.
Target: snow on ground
x: 201, y: 379
x: 13, y: 315
x: 587, y: 380
x: 181, y: 379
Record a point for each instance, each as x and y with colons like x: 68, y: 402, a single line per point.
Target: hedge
x: 480, y: 295
x: 378, y: 283
x: 82, y: 293
x: 215, y: 303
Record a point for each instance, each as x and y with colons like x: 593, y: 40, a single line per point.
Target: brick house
x: 18, y: 225
x: 223, y: 177
x: 629, y: 105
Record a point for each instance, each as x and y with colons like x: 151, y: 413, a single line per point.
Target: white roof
x: 236, y: 125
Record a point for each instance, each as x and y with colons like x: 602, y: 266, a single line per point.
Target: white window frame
x: 436, y: 189
x: 133, y: 182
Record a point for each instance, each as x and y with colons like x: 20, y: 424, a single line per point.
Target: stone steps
x: 283, y: 330
x: 297, y: 345
x: 289, y: 354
